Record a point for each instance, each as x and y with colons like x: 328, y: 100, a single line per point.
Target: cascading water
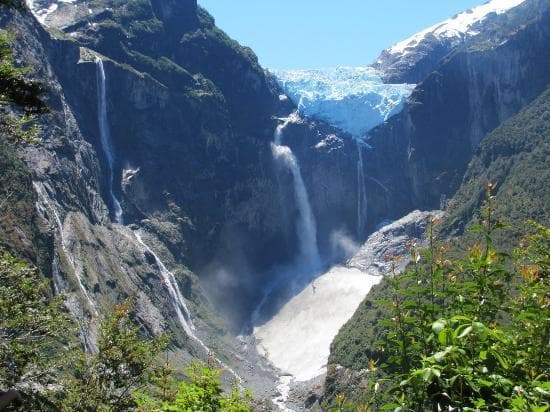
x: 361, y: 193
x: 309, y: 259
x: 105, y: 138
x: 306, y: 227
x: 183, y: 314
x: 169, y: 279
x: 64, y: 247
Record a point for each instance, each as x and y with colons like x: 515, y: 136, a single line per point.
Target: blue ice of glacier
x: 354, y: 99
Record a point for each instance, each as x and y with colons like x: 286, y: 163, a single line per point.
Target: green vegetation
x: 125, y: 362
x: 515, y: 157
x: 20, y: 101
x: 33, y: 331
x: 201, y: 392
x: 38, y: 361
x: 466, y: 334
x: 17, y: 211
x: 17, y: 89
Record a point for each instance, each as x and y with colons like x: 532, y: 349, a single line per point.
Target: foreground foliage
x: 21, y: 98
x: 124, y: 362
x: 470, y: 334
x: 33, y: 331
x: 201, y: 391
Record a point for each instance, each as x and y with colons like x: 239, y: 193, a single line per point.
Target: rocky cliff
x: 469, y: 93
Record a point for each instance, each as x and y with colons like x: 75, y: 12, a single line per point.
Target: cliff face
x: 470, y: 93
x: 63, y: 219
x: 191, y: 117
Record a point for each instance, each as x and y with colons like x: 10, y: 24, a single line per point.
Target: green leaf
x: 438, y: 325
x: 441, y: 355
x: 479, y: 327
x: 475, y: 229
x: 442, y: 336
x: 467, y: 330
x: 461, y: 317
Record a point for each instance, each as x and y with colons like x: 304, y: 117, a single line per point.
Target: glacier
x: 353, y: 99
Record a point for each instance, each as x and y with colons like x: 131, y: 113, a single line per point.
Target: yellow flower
x: 372, y: 364
x: 530, y: 273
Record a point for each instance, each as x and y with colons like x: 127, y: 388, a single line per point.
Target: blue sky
x: 301, y: 34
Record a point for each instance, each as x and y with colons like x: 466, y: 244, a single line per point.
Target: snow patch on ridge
x: 43, y: 8
x: 354, y: 99
x: 458, y: 26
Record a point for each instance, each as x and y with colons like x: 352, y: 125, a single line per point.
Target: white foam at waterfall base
x: 105, y: 137
x: 284, y: 391
x: 297, y: 339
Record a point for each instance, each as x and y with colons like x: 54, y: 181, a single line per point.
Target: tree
x: 33, y: 332
x: 125, y: 362
x: 201, y: 392
x: 15, y: 86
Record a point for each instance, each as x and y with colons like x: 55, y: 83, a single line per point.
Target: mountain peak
x: 457, y: 27
x: 63, y: 13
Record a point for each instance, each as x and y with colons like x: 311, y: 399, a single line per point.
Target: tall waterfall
x: 105, y: 138
x: 361, y: 193
x: 306, y: 227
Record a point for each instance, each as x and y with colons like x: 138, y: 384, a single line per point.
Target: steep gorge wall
x: 193, y: 164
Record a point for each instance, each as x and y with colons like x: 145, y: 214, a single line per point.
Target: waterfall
x: 169, y: 279
x: 361, y: 193
x: 63, y: 244
x: 183, y: 314
x: 105, y: 137
x: 306, y: 227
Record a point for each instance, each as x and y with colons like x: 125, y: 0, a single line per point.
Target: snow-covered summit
x: 457, y: 27
x: 43, y: 8
x: 354, y: 99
